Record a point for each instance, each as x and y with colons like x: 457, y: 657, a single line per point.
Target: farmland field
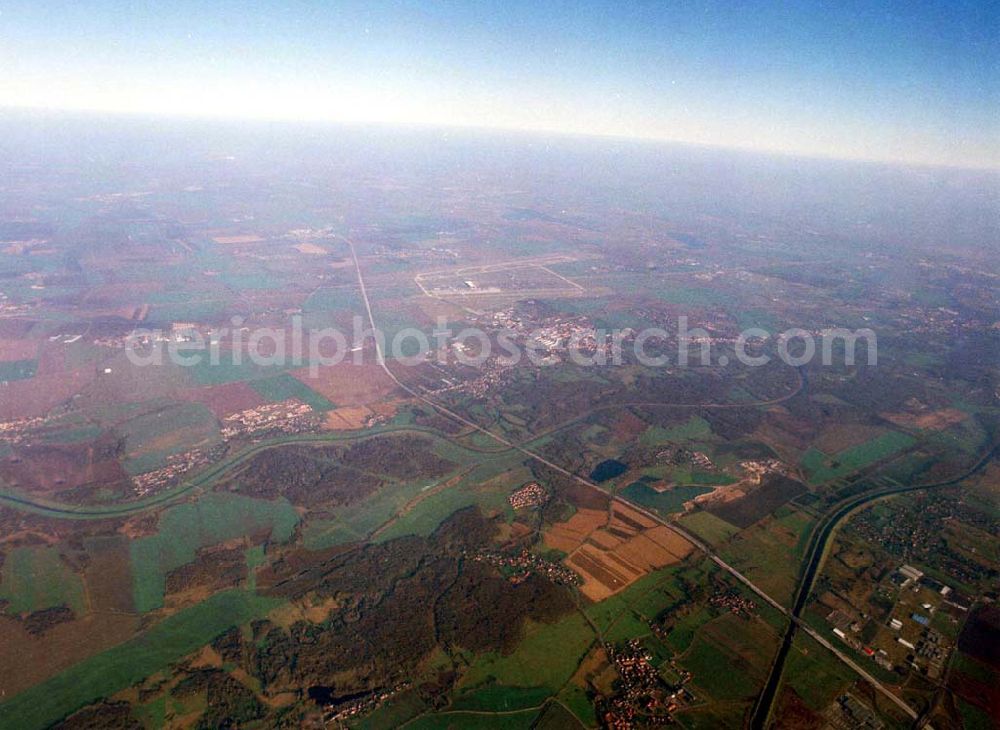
x: 708, y: 526
x: 35, y: 578
x: 581, y: 505
x: 770, y: 552
x: 666, y: 502
x: 279, y: 388
x: 546, y: 657
x: 183, y: 529
x: 730, y: 657
x: 814, y: 674
x: 17, y: 369
x: 515, y: 720
x: 822, y: 468
x: 695, y: 429
x: 117, y: 668
x: 164, y: 431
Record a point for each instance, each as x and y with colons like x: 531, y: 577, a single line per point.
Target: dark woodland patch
x: 101, y: 716
x: 213, y: 567
x: 774, y: 492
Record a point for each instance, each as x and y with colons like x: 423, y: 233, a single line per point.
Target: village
x: 337, y: 714
x: 518, y: 566
x: 272, y: 419
x: 176, y: 467
x: 642, y: 693
x: 287, y: 417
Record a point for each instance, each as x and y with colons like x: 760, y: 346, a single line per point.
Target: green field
x: 282, y: 387
x: 546, y: 657
x: 18, y: 369
x: 76, y: 435
x: 472, y: 721
x: 393, y: 713
x: 708, y: 527
x: 357, y: 521
x: 699, y: 296
x: 666, y: 502
x: 188, y: 305
x: 816, y: 675
x: 695, y: 428
x: 556, y: 716
x: 122, y: 666
x: 249, y: 281
x: 713, y: 717
x: 576, y: 699
x: 328, y: 299
x: 488, y: 485
x: 770, y: 552
x: 627, y: 614
x: 174, y: 428
x: 714, y: 671
x: 501, y: 698
x: 730, y: 656
x: 183, y: 529
x: 227, y: 370
x: 683, y: 632
x: 822, y: 468
x: 394, y: 320
x: 975, y: 718
x: 35, y: 577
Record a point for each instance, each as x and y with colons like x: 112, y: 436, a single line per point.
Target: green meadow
x: 544, y: 660
x: 186, y: 528
x: 18, y: 369
x: 282, y: 387
x: 115, y: 669
x: 822, y: 468
x: 35, y: 577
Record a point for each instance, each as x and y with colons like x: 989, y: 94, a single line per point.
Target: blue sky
x: 911, y: 81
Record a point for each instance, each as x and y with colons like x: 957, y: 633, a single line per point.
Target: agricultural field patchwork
x: 533, y: 483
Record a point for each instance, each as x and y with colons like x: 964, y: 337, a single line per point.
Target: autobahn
x: 814, y: 561
x: 817, y: 547
x: 794, y: 620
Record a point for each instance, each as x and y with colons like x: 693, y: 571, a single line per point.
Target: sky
x: 916, y: 82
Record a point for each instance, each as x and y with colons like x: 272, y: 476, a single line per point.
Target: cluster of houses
x: 680, y: 455
x: 530, y: 495
x: 289, y: 416
x: 14, y: 432
x: 525, y: 563
x: 735, y: 602
x: 177, y: 465
x: 642, y: 691
x: 340, y: 713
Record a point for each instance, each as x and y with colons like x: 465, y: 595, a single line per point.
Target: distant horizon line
x: 459, y: 127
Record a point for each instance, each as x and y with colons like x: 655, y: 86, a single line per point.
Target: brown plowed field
x: 347, y: 384
x: 38, y: 395
x: 226, y: 399
x: 610, y: 554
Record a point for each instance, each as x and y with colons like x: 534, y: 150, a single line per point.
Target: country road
x: 814, y: 561
x: 701, y: 546
x: 822, y: 533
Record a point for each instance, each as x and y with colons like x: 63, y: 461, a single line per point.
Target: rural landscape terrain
x: 371, y: 533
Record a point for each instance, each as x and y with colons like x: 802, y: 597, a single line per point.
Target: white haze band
x: 471, y: 346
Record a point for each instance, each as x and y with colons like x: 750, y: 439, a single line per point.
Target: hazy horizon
x: 499, y: 365
x: 26, y: 113
x: 915, y: 85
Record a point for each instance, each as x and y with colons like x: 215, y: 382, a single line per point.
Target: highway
x: 822, y: 533
x: 800, y: 600
x: 817, y: 551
